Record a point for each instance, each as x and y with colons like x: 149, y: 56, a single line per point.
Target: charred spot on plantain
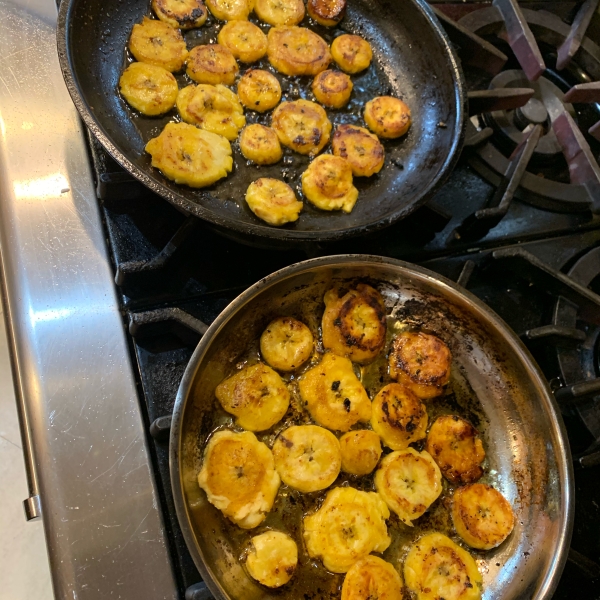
x: 192, y: 17
x: 287, y: 443
x: 352, y: 340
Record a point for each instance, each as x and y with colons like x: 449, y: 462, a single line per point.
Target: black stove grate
x: 528, y: 120
x: 176, y: 273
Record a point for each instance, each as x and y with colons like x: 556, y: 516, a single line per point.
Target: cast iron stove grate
x: 176, y: 273
x: 535, y: 130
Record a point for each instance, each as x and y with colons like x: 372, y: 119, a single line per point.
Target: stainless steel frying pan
x: 495, y: 382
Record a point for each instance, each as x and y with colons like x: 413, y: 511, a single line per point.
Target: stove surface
x: 510, y: 222
x: 517, y: 223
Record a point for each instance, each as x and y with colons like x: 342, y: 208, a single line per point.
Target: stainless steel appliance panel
x: 88, y: 462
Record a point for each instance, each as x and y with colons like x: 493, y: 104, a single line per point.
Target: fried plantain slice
x: 327, y: 183
x: 212, y: 64
x: 437, y: 568
x: 157, y: 43
x: 259, y: 90
x: 333, y: 395
x: 387, y: 117
x: 260, y: 144
x: 185, y: 14
x: 351, y: 53
x: 399, y: 417
x: 348, y: 527
x: 186, y: 154
x: 239, y: 477
x: 332, y: 88
x: 307, y: 457
x: 362, y: 149
x: 229, y: 10
x: 456, y: 448
x: 150, y: 89
x: 327, y: 12
x: 279, y: 12
x: 421, y: 362
x: 214, y: 108
x: 361, y: 451
x: 297, y: 51
x: 354, y: 323
x: 273, y: 201
x: 256, y: 396
x: 272, y: 558
x: 372, y: 578
x: 302, y: 126
x: 482, y: 516
x: 409, y: 482
x: 286, y: 343
x: 244, y: 40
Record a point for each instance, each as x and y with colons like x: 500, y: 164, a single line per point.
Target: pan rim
x: 259, y: 230
x: 555, y: 568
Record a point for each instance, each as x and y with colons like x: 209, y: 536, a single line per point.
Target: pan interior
x: 411, y: 61
x: 494, y: 386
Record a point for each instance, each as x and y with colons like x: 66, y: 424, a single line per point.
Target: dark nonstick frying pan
x: 413, y: 60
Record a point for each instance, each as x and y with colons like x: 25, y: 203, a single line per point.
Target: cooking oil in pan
x: 367, y: 85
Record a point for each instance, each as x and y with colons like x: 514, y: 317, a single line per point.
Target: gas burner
x: 579, y: 365
x: 546, y: 103
x: 574, y: 334
x: 506, y: 21
x: 549, y: 102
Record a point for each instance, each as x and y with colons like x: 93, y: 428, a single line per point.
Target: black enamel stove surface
x: 531, y: 257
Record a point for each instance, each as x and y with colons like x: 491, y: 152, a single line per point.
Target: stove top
x: 517, y: 223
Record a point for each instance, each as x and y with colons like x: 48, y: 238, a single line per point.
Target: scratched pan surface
x: 495, y: 384
x: 412, y: 60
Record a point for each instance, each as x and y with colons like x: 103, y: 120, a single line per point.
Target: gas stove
x: 517, y: 223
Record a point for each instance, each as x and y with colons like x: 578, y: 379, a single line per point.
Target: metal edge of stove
x: 86, y: 454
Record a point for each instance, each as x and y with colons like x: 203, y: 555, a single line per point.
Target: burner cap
x: 547, y: 101
x: 533, y: 113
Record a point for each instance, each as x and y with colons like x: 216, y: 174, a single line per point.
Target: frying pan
x: 413, y: 60
x: 494, y: 380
